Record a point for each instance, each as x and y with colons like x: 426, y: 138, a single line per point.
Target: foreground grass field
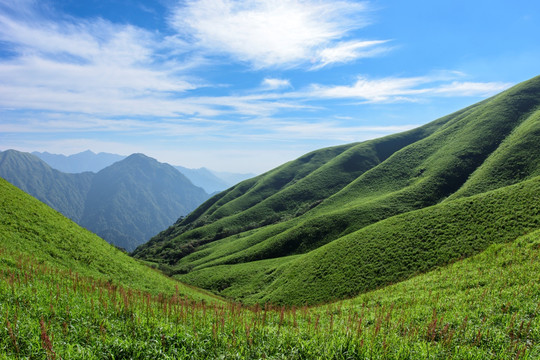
x: 485, y: 307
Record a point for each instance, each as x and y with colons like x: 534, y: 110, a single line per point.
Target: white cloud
x: 466, y: 88
x: 90, y: 66
x: 102, y: 69
x: 268, y: 33
x: 275, y: 84
x: 394, y: 89
x: 379, y: 90
x: 348, y: 51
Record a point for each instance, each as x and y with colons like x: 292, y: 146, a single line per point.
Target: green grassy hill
x: 305, y: 231
x: 437, y: 229
x: 279, y: 196
x: 484, y: 307
x: 29, y: 228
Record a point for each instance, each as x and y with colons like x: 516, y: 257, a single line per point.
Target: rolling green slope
x: 516, y: 159
x: 302, y: 223
x: 31, y: 228
x: 383, y: 253
x: 402, y: 246
x: 283, y: 194
x: 65, y: 193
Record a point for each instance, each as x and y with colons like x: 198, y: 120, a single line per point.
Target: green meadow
x: 418, y: 245
x: 484, y: 307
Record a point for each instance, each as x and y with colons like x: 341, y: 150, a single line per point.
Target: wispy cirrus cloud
x: 468, y: 88
x: 350, y: 50
x: 334, y: 130
x: 278, y: 33
x: 90, y: 66
x: 254, y: 129
x: 396, y: 89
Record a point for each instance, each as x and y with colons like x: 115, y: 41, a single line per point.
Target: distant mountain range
x: 125, y: 203
x: 205, y: 179
x: 81, y: 162
x: 209, y: 180
x: 353, y: 218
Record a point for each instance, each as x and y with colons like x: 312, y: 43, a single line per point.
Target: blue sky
x: 245, y: 86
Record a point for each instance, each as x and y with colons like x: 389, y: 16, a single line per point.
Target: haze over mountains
x: 210, y: 181
x: 81, y: 162
x: 125, y: 203
x: 340, y: 221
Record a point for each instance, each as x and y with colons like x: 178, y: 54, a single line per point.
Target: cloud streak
x: 403, y: 89
x: 275, y: 84
x: 349, y: 51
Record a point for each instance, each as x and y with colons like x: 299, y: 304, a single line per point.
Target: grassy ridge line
x: 419, y: 175
x: 279, y: 195
x: 516, y: 159
x: 422, y: 170
x: 30, y: 227
x: 416, y: 176
x: 485, y: 307
x: 249, y: 193
x: 435, y: 167
x: 402, y: 246
x: 383, y: 253
x: 283, y: 206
